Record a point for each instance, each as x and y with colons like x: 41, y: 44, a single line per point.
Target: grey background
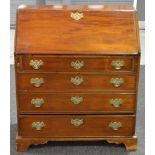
x: 15, y: 3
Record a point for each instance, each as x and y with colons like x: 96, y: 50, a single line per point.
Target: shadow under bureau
x: 77, y: 71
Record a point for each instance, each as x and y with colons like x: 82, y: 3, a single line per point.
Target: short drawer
x: 76, y: 103
x: 76, y: 126
x: 75, y: 82
x: 79, y: 63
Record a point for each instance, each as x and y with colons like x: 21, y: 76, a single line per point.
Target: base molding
x: 130, y: 143
x: 22, y: 144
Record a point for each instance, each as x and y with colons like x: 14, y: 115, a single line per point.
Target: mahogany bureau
x: 77, y: 71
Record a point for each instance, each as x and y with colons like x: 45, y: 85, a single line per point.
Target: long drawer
x: 76, y: 103
x: 47, y: 63
x: 76, y: 125
x: 75, y: 82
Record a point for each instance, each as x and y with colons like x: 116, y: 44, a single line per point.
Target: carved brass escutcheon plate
x: 118, y: 64
x: 117, y: 82
x: 77, y: 64
x: 37, y: 102
x: 77, y: 80
x: 38, y: 125
x: 115, y: 125
x: 36, y: 64
x: 117, y: 102
x: 77, y: 15
x: 76, y: 99
x: 37, y: 82
x: 77, y: 122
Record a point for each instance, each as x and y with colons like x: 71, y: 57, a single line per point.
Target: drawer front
x: 76, y: 126
x: 75, y: 82
x: 77, y: 63
x: 76, y: 103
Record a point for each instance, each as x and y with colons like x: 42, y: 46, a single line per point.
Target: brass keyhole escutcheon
x: 76, y: 15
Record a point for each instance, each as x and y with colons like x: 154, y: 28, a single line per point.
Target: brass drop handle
x: 37, y: 82
x: 77, y: 64
x: 38, y: 125
x: 117, y: 82
x: 117, y: 102
x: 115, y: 125
x: 37, y: 102
x: 36, y: 64
x: 76, y: 80
x: 77, y: 122
x: 118, y: 64
x: 76, y: 99
x: 76, y: 15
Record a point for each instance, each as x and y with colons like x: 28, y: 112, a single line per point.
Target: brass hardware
x: 77, y: 15
x: 37, y: 102
x: 37, y: 82
x: 76, y: 99
x: 77, y: 122
x: 118, y: 64
x: 38, y: 125
x: 76, y: 80
x: 77, y: 64
x: 116, y: 102
x: 115, y: 125
x: 117, y: 82
x: 36, y: 64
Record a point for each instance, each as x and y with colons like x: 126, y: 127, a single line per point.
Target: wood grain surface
x: 55, y: 32
x: 60, y: 126
x: 49, y: 34
x: 93, y: 103
x: 62, y: 82
x: 98, y: 64
x: 22, y: 144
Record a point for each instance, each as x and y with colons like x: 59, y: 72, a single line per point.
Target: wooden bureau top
x: 101, y: 30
